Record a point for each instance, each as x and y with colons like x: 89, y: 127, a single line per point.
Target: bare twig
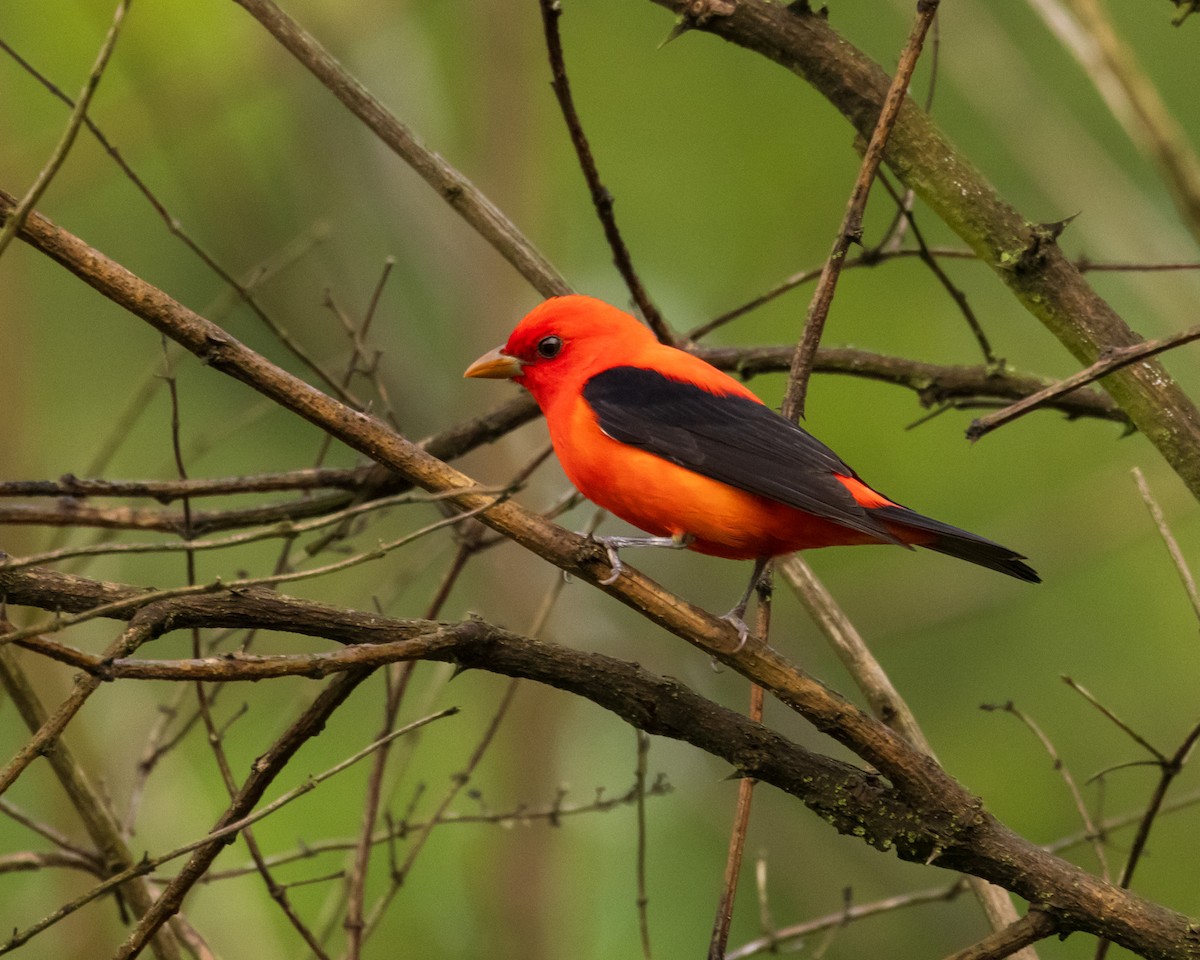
x: 640, y: 791
x: 775, y: 939
x: 602, y: 200
x: 147, y: 597
x: 876, y: 257
x: 166, y: 491
x: 1181, y: 566
x: 286, y: 530
x: 745, y: 795
x: 930, y: 261
x: 457, y: 784
x: 850, y: 230
x: 1034, y: 926
x: 517, y: 816
x: 1090, y: 829
x: 1114, y: 359
x: 885, y: 701
x: 59, y: 155
x: 227, y: 829
x: 1125, y: 728
x: 454, y: 188
x: 1088, y: 33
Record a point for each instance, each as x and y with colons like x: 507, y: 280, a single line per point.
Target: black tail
x: 960, y: 543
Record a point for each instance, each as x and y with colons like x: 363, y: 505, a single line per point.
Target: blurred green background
x: 728, y: 174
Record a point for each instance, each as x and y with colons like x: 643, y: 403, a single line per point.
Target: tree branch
x: 462, y: 195
x: 934, y: 820
x: 1024, y: 255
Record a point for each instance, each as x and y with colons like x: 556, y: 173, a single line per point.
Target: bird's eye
x: 549, y: 347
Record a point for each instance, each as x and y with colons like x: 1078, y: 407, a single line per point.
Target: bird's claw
x: 613, y: 544
x: 614, y: 561
x: 734, y: 619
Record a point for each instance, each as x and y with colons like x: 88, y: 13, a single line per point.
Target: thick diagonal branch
x: 1024, y: 255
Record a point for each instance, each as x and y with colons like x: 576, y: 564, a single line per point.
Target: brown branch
x: 959, y: 833
x: 87, y: 800
x: 1034, y: 926
x: 462, y: 195
x: 934, y: 384
x: 1109, y: 362
x: 917, y: 824
x: 850, y: 914
x: 164, y: 491
x: 850, y: 230
x: 602, y: 200
x: 925, y: 254
x: 63, y: 147
x: 1024, y: 255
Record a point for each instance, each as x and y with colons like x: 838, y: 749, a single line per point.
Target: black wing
x: 732, y: 439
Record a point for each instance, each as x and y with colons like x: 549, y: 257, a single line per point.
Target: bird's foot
x: 735, y: 616
x: 613, y: 544
x: 734, y: 619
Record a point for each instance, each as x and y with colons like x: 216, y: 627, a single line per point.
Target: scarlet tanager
x: 672, y: 445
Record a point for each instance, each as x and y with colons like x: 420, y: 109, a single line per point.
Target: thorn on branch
x: 1041, y: 236
x: 699, y: 12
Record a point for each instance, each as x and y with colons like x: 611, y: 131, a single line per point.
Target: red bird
x: 683, y: 451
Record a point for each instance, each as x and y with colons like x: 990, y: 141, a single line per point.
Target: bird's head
x: 561, y: 343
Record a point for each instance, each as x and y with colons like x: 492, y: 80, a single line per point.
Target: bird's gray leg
x: 734, y: 616
x: 613, y: 544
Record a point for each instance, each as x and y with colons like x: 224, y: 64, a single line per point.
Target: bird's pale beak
x: 495, y: 365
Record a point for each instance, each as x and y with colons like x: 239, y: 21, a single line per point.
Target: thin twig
x: 876, y: 258
x: 745, y: 796
x: 63, y: 147
x: 148, y: 864
x: 517, y: 816
x: 779, y: 938
x: 165, y: 491
x: 850, y: 230
x: 1088, y: 33
x: 1168, y: 771
x: 602, y: 200
x: 234, y: 585
x: 1181, y: 566
x: 1136, y: 737
x: 458, y: 783
x: 1113, y: 359
x: 456, y: 189
x: 1034, y: 926
x: 930, y: 261
x: 1089, y: 826
x: 639, y: 786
